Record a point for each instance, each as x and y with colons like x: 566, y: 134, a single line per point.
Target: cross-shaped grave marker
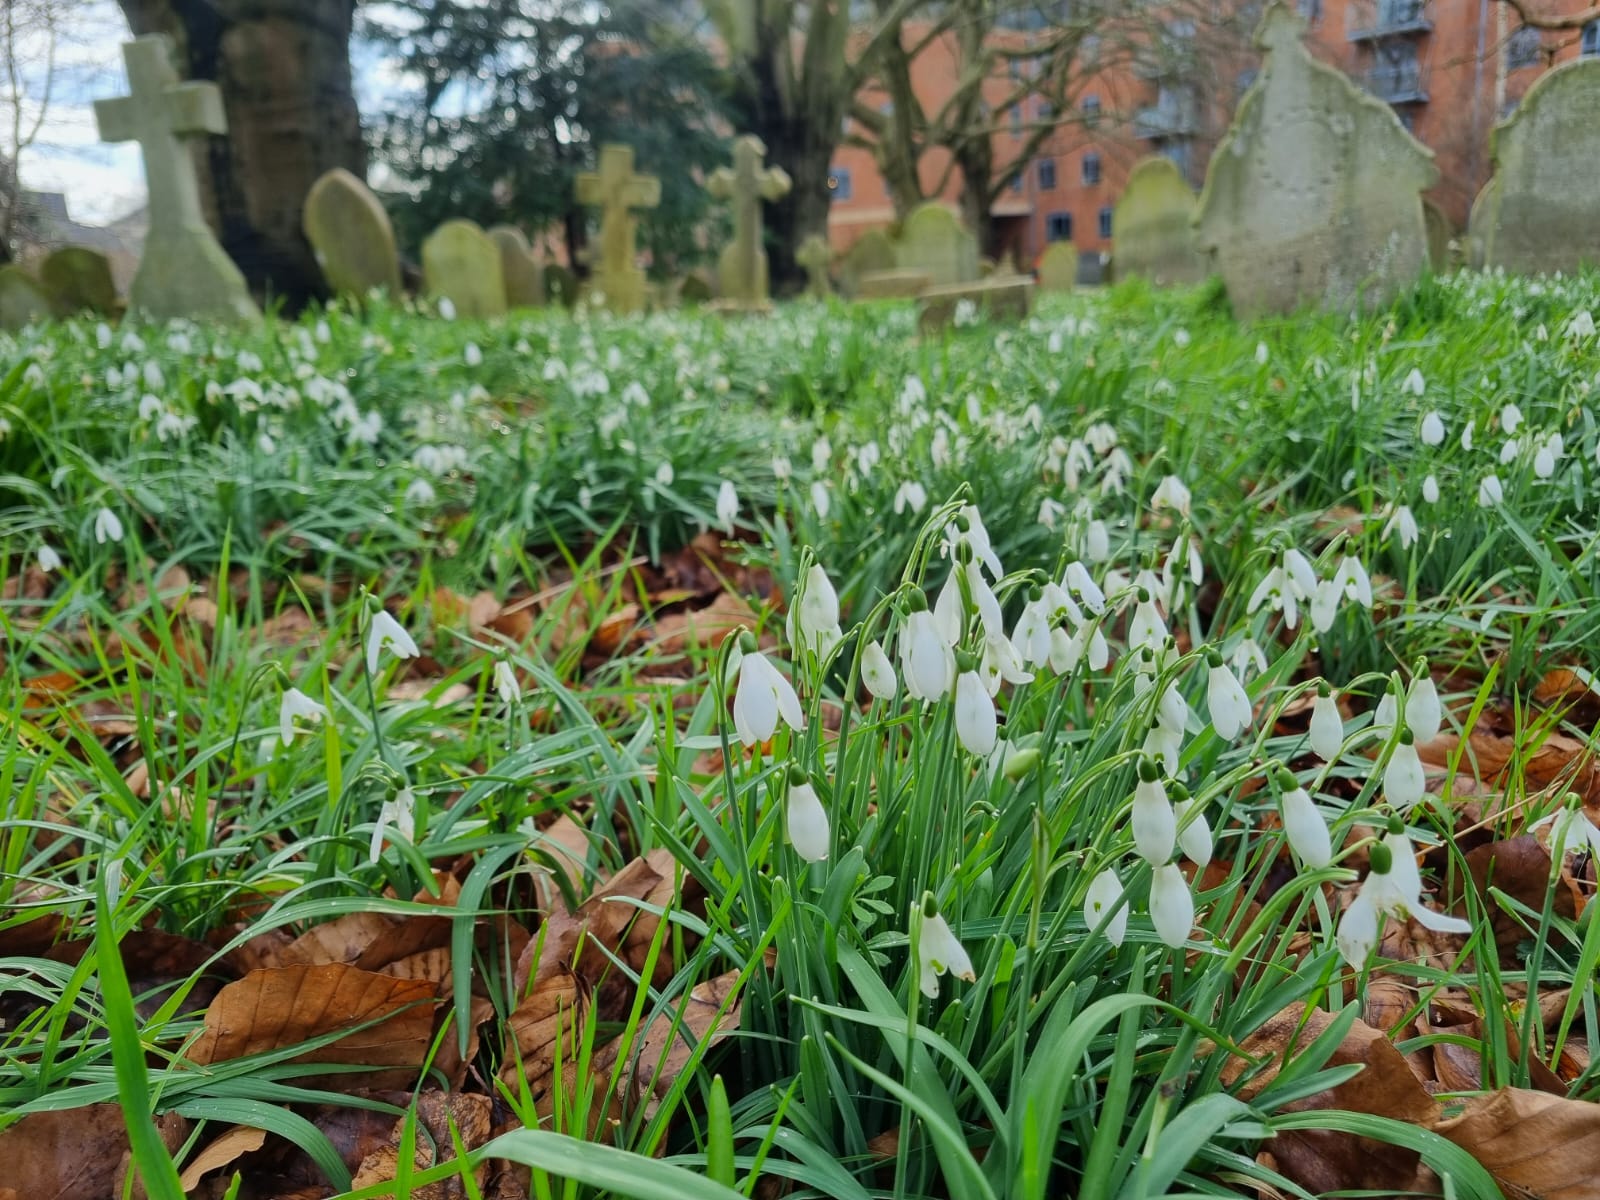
x: 742, y: 267
x: 615, y: 189
x: 815, y: 257
x: 184, y: 271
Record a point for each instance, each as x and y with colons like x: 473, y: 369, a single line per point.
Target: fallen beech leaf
x: 1532, y: 1142
x: 233, y: 1143
x: 437, y: 1115
x: 543, y: 1030
x: 1519, y: 867
x: 702, y: 628
x: 70, y: 1155
x: 1323, y: 1161
x: 274, y: 1008
x: 1571, y: 688
x: 366, y: 940
x: 669, y: 1042
x: 566, y: 844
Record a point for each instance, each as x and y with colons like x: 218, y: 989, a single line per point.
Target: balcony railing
x: 1398, y: 84
x: 1370, y: 20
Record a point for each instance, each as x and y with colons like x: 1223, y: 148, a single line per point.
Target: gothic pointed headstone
x: 524, y: 277
x: 742, y: 267
x: 1152, y: 226
x: 184, y: 271
x: 79, y: 280
x: 616, y: 190
x: 815, y: 257
x: 461, y: 263
x: 1315, y: 195
x: 933, y: 240
x: 351, y: 236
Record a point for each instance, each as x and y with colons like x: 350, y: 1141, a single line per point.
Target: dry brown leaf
x: 567, y: 843
x: 70, y: 1155
x: 233, y: 1143
x: 707, y: 1017
x: 1519, y: 867
x: 1323, y: 1161
x: 702, y: 628
x: 437, y: 1115
x: 545, y: 1030
x: 1532, y: 1142
x: 278, y: 1007
x: 366, y: 940
x: 1560, y: 760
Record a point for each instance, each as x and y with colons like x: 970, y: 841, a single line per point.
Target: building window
x: 1408, y: 118
x: 1016, y: 181
x: 1058, y: 227
x: 1105, y: 224
x: 1046, y: 112
x: 1178, y: 152
x: 839, y: 183
x: 1089, y: 49
x: 1047, y: 174
x: 1091, y: 167
x: 1589, y: 47
x: 1311, y: 10
x: 1016, y: 118
x: 1522, y: 48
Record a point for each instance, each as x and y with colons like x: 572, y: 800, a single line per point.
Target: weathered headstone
x: 873, y: 251
x: 561, y: 285
x: 1544, y: 212
x: 460, y: 262
x: 932, y: 240
x: 896, y: 284
x: 696, y: 288
x: 1058, y: 267
x: 742, y: 267
x: 1152, y: 226
x: 351, y: 236
x: 1314, y: 195
x: 815, y: 257
x: 1478, y: 224
x: 78, y: 279
x: 1006, y: 268
x: 1440, y: 234
x: 1091, y: 268
x: 22, y: 301
x: 616, y: 190
x: 520, y: 270
x: 1008, y: 297
x: 184, y: 271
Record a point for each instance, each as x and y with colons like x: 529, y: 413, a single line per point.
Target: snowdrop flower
x: 402, y: 813
x: 1146, y: 628
x: 1393, y: 887
x: 296, y: 704
x: 1510, y: 418
x: 1164, y: 744
x: 1001, y: 663
x: 1510, y: 450
x: 1031, y: 637
x: 1180, y: 338
x: 665, y: 475
x: 1226, y: 699
x: 1172, y: 710
x: 807, y: 820
x: 1571, y: 830
x: 878, y: 673
x: 1261, y: 353
x: 1247, y: 657
x: 815, y: 622
x: 727, y: 505
x: 1303, y: 823
x: 820, y: 499
x: 1424, y: 714
x: 939, y: 951
x: 1416, y: 385
x: 1171, y: 906
x: 782, y: 468
x: 1544, y: 459
x: 1490, y: 492
x: 1194, y: 832
x: 1466, y: 437
x: 912, y: 495
x: 1282, y: 591
x: 107, y: 527
x: 49, y: 560
x: 447, y: 308
x: 505, y: 682
x: 1581, y: 326
x: 1096, y: 541
x: 1103, y: 896
x: 762, y: 697
x: 1432, y: 429
x: 1351, y: 577
x: 149, y: 407
x: 1403, y: 780
x: 927, y: 661
x: 821, y: 454
x: 1327, y: 726
x: 1430, y: 490
x: 976, y: 724
x: 1172, y: 493
x: 1050, y: 512
x: 420, y: 493
x: 1155, y: 826
x: 472, y: 355
x: 386, y: 633
x: 1080, y: 585
x: 968, y: 528
x: 1405, y: 523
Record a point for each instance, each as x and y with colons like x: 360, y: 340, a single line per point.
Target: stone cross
x: 815, y: 256
x: 743, y: 265
x: 184, y: 271
x: 616, y: 190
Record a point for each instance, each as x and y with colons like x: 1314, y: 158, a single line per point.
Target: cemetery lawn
x: 402, y: 792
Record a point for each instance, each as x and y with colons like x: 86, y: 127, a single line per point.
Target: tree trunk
x: 976, y: 159
x: 284, y: 70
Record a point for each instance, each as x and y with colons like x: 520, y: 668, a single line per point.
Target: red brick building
x: 1450, y: 68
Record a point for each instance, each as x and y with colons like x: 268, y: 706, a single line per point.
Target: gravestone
x: 561, y: 285
x: 351, y: 236
x: 1544, y: 213
x: 742, y: 266
x: 873, y: 251
x: 519, y: 269
x: 897, y: 284
x: 184, y: 271
x: 1091, y: 268
x: 78, y: 280
x: 815, y: 257
x: 1058, y: 267
x: 1314, y: 195
x: 998, y: 297
x: 616, y: 190
x: 1477, y: 225
x: 1152, y: 226
x: 22, y: 301
x: 460, y: 262
x: 932, y: 240
x: 1006, y: 268
x: 1440, y: 234
x: 696, y: 288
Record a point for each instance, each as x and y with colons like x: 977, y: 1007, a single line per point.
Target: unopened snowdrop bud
x: 1261, y: 353
x: 1155, y: 827
x: 1414, y: 384
x: 1105, y: 896
x: 1424, y: 714
x: 1303, y: 823
x: 1510, y: 419
x: 1403, y: 780
x: 877, y: 672
x: 1172, y: 710
x: 1430, y: 490
x: 1544, y: 459
x: 820, y: 500
x: 1194, y: 831
x: 472, y: 355
x: 1171, y: 905
x: 107, y: 526
x: 49, y: 560
x: 807, y: 819
x: 1327, y: 726
x: 1432, y: 430
x: 1325, y: 605
x: 1146, y: 629
x: 938, y: 951
x: 1466, y: 436
x: 727, y: 505
x: 505, y: 683
x: 762, y: 697
x: 819, y: 612
x: 1226, y: 699
x: 1383, y: 716
x: 1096, y: 541
x: 1490, y: 492
x: 926, y: 660
x: 385, y: 633
x: 975, y: 716
x: 297, y: 705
